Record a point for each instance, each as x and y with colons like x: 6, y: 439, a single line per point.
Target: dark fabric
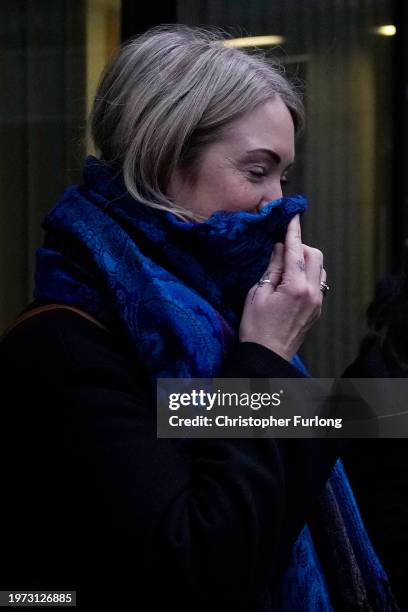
x: 99, y: 504
x: 378, y: 471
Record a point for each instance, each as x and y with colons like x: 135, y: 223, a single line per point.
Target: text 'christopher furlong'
x: 257, y: 422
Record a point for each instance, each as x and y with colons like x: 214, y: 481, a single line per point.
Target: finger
x: 314, y: 265
x: 275, y: 268
x: 294, y: 262
x: 293, y: 237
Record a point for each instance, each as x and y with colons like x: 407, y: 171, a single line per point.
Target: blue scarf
x: 176, y: 291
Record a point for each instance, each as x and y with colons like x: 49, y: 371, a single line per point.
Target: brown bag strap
x: 40, y: 309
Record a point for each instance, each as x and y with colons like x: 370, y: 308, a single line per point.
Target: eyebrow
x: 276, y: 158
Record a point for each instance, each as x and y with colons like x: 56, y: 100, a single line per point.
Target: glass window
x: 52, y: 53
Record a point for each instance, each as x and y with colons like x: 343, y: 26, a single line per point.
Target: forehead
x: 268, y: 126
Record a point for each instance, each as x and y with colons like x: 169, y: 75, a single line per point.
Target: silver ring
x: 265, y: 280
x: 324, y: 287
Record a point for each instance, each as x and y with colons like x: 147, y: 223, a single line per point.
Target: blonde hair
x: 169, y: 93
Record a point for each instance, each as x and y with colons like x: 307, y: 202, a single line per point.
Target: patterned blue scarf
x: 176, y: 291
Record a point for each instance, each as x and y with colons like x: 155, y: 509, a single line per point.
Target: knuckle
x: 308, y: 294
x: 299, y: 290
x: 314, y: 252
x: 318, y: 254
x: 316, y: 301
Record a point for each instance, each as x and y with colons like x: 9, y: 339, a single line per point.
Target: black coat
x: 378, y: 472
x: 94, y: 502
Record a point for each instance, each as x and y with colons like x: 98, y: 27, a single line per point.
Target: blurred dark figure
x: 378, y: 469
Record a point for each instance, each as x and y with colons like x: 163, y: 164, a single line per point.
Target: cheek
x: 235, y: 190
x: 244, y: 194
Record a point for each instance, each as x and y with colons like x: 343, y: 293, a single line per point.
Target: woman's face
x: 245, y: 170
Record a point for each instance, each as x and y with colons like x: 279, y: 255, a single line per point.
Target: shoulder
x: 55, y: 342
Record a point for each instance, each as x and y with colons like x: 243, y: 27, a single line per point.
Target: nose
x: 274, y: 193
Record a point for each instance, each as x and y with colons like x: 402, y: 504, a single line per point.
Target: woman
x: 180, y: 245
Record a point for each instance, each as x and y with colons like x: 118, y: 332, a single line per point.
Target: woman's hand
x: 279, y: 314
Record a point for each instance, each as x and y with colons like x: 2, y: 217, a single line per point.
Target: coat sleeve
x: 212, y: 521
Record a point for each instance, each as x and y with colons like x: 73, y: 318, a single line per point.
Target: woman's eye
x: 257, y: 173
